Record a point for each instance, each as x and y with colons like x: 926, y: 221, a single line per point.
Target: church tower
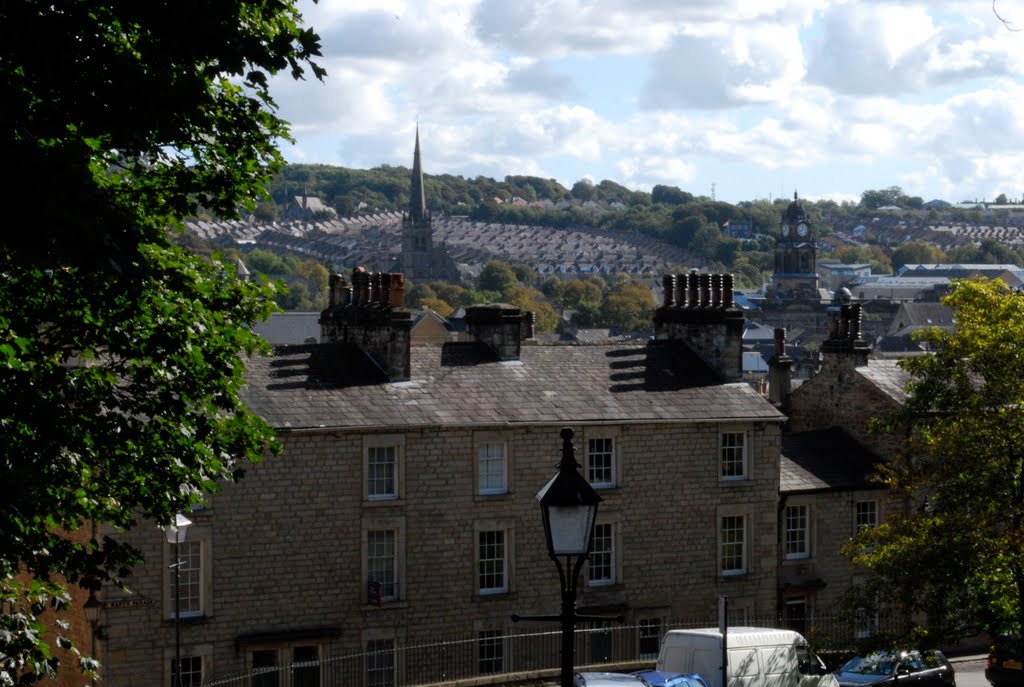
x: 417, y: 231
x: 796, y: 255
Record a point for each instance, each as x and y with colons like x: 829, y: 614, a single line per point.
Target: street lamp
x: 568, y: 506
x: 176, y: 534
x: 92, y: 614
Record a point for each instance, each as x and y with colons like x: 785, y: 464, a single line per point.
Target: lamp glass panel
x: 570, y: 529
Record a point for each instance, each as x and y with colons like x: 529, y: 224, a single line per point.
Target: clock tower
x: 796, y: 269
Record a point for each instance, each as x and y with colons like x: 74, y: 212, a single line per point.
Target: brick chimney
x: 699, y: 310
x: 369, y: 312
x: 501, y: 326
x: 780, y: 371
x: 845, y: 347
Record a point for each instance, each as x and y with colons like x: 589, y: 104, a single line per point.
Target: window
x: 383, y: 559
x: 733, y: 451
x: 380, y: 663
x: 265, y: 672
x: 601, y: 462
x: 493, y: 466
x: 602, y: 555
x: 306, y: 666
x: 381, y: 570
x: 650, y: 637
x: 290, y: 666
x: 187, y: 581
x: 797, y: 544
x: 733, y: 545
x: 491, y: 651
x: 492, y: 564
x: 381, y: 472
x: 866, y: 514
x: 191, y: 671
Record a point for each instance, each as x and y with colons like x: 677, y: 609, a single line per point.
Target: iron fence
x: 521, y: 655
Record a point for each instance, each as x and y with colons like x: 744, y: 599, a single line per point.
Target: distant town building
x: 796, y: 276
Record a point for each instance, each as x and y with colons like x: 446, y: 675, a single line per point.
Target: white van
x: 758, y: 657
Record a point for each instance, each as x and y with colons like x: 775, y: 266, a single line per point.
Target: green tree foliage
x: 670, y: 195
x: 988, y: 251
x: 531, y: 300
x: 917, y: 252
x: 629, y: 305
x: 497, y: 276
x: 959, y: 553
x: 119, y: 352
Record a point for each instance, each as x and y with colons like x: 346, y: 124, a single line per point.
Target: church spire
x: 417, y: 196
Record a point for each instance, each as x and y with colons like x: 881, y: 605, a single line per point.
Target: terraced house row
x: 402, y: 509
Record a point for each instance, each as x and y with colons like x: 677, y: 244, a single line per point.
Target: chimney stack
x: 501, y: 327
x: 780, y: 371
x: 845, y: 343
x: 700, y: 310
x: 368, y: 312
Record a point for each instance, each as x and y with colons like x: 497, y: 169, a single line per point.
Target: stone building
x: 421, y: 259
x: 795, y: 277
x: 402, y: 510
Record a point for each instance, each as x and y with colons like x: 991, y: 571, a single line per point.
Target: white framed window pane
x: 733, y: 551
x: 380, y: 562
x: 191, y: 671
x: 602, y: 555
x: 491, y: 652
x: 380, y: 470
x: 492, y: 464
x: 650, y: 637
x: 866, y: 514
x: 734, y: 455
x: 380, y: 663
x: 492, y: 571
x: 190, y: 578
x: 796, y: 532
x: 601, y: 462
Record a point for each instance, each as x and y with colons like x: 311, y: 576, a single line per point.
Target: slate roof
x: 462, y: 384
x: 825, y: 460
x: 888, y: 376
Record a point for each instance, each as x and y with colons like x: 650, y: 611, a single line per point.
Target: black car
x: 1005, y: 667
x: 910, y: 668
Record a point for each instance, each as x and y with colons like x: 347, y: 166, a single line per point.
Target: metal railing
x: 523, y: 655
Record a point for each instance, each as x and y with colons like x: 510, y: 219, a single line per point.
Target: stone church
x: 421, y: 260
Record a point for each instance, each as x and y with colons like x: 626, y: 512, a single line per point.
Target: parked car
x: 1005, y: 667
x: 659, y: 678
x: 608, y: 680
x: 889, y: 668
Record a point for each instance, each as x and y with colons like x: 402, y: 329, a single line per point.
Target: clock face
x: 802, y: 229
x: 785, y: 230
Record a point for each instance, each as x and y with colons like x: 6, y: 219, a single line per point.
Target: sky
x: 732, y: 99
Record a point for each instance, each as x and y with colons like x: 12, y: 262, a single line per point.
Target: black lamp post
x: 568, y: 506
x: 176, y: 534
x: 92, y: 614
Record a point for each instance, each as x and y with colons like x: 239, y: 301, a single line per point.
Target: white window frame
x: 797, y: 531
x: 486, y: 559
x: 481, y: 530
x: 492, y: 638
x: 728, y: 539
x: 382, y: 648
x: 604, y: 552
x: 396, y: 526
x: 859, y: 521
x: 496, y: 479
x: 372, y: 444
x: 610, y: 452
x: 203, y: 652
x: 726, y: 455
x: 196, y: 574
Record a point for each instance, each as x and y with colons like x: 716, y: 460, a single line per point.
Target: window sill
x: 386, y: 606
x: 738, y: 577
x: 503, y: 496
x: 378, y: 503
x: 493, y: 596
x: 608, y: 587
